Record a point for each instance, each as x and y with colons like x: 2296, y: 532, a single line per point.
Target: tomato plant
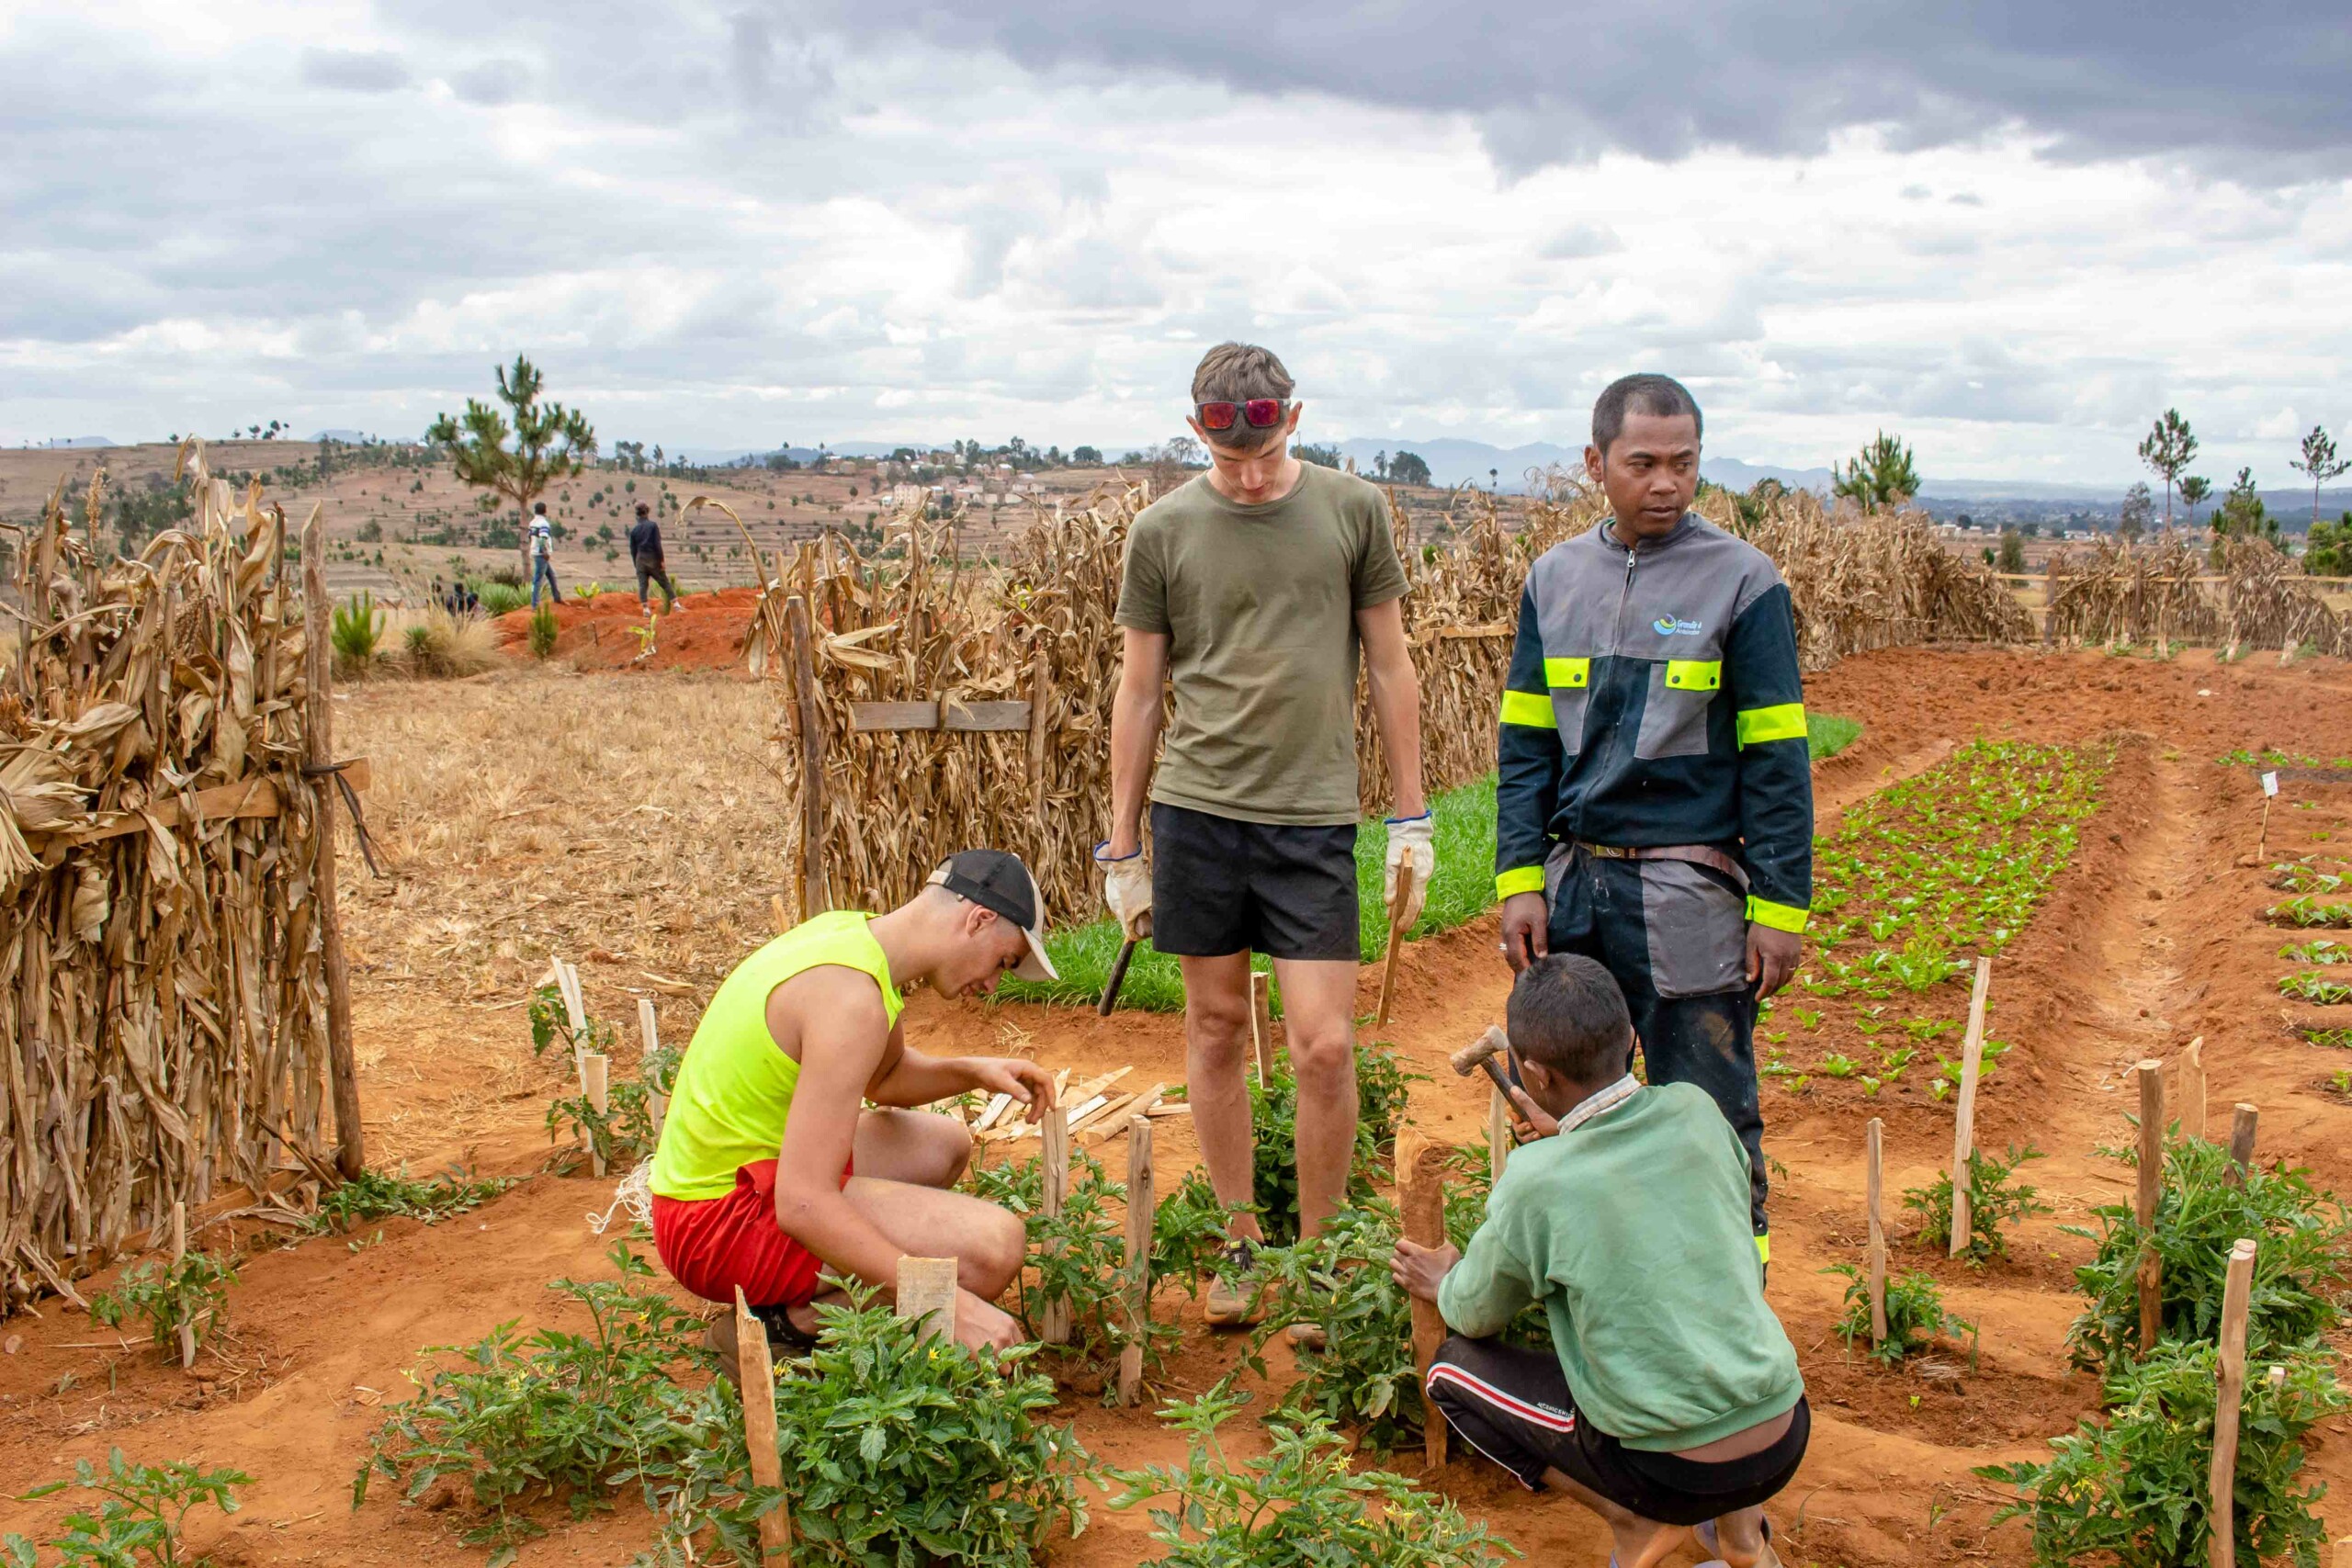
x: 1994, y: 1200
x: 140, y: 1508
x: 192, y: 1292
x: 1915, y: 1318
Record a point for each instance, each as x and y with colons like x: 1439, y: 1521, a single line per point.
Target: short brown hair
x: 1234, y: 373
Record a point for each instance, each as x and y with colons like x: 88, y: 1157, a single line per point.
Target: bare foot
x: 1645, y: 1543
x: 1740, y: 1540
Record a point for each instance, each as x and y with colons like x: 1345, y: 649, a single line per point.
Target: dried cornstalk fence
x: 167, y: 948
x: 948, y: 705
x: 2166, y: 590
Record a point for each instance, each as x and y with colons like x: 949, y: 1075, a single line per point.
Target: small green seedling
x: 1915, y: 1318
x: 191, y: 1293
x: 140, y: 1509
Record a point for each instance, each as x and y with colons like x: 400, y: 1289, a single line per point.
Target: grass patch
x: 1826, y: 734
x: 1463, y: 889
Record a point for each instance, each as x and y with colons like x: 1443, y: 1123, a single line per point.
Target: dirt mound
x: 701, y: 631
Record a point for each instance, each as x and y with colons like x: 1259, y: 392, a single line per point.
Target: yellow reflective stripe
x: 1530, y: 708
x: 1764, y: 1247
x: 1567, y: 672
x: 1784, y: 721
x: 1694, y: 674
x: 1779, y: 917
x: 1525, y: 879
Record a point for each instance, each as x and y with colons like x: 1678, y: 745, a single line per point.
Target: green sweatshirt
x: 1633, y: 1230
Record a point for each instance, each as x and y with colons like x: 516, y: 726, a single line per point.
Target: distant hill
x: 61, y: 442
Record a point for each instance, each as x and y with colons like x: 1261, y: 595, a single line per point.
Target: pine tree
x: 2170, y: 447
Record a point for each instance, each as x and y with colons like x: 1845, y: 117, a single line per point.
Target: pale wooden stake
x: 1499, y: 1138
x: 2222, y: 1546
x: 1041, y: 697
x: 1420, y: 1202
x: 1395, y: 944
x: 2262, y: 840
x: 927, y: 1292
x: 1874, y: 1134
x: 1262, y: 1025
x: 2192, y: 1089
x: 595, y: 1079
x: 1054, y: 1323
x: 317, y: 751
x: 179, y: 1250
x: 756, y: 1373
x: 1972, y: 1058
x: 650, y: 1040
x: 2152, y: 1182
x: 1142, y: 1203
x: 778, y: 915
x: 2241, y: 1126
x: 813, y: 901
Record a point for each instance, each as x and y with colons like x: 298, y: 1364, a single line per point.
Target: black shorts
x: 1220, y: 886
x: 1513, y: 1405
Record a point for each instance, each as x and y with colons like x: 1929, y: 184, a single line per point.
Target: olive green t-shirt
x: 1258, y: 604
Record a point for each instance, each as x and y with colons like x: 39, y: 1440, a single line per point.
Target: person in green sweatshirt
x: 1670, y: 1398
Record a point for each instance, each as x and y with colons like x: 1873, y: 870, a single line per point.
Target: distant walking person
x: 645, y: 554
x: 542, y: 554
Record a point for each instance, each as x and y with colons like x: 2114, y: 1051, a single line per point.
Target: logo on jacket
x: 1667, y: 626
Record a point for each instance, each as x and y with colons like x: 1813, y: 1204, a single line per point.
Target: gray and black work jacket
x: 1654, y: 699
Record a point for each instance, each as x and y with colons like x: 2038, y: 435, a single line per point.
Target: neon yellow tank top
x: 734, y: 1088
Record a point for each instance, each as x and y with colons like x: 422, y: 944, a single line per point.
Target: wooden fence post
x: 595, y: 1082
x: 1261, y: 1024
x: 1874, y: 1134
x: 2241, y: 1126
x: 1041, y: 693
x: 1054, y: 1323
x: 927, y: 1294
x: 1420, y: 1203
x: 1972, y: 1060
x: 810, y: 729
x: 179, y: 1251
x: 1142, y: 1203
x: 756, y: 1376
x: 2192, y: 1089
x: 2152, y: 1182
x: 1395, y: 944
x: 1499, y: 1138
x: 657, y: 1104
x: 2220, y: 1479
x: 318, y: 752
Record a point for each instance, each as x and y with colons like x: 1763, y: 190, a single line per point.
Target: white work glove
x: 1126, y: 887
x: 1412, y: 840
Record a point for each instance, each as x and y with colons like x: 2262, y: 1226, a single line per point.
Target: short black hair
x: 1566, y: 1012
x: 642, y: 506
x: 1660, y: 396
x: 538, y: 506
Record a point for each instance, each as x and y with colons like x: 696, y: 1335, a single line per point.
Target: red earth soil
x: 2153, y: 936
x: 702, y: 631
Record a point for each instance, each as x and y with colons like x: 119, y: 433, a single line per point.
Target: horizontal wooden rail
x: 865, y: 717
x: 247, y: 797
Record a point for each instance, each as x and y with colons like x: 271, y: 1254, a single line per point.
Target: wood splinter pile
x: 1097, y: 1111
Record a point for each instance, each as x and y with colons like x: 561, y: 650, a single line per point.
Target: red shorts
x: 712, y: 1245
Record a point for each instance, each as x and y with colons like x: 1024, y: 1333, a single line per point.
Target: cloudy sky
x: 2012, y: 232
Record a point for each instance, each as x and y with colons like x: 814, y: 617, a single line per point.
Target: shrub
x: 358, y: 627
x: 901, y: 1449
x: 1296, y: 1506
x: 2134, y: 1486
x: 1994, y: 1200
x: 442, y: 645
x: 140, y: 1509
x: 543, y: 631
x: 2300, y: 1270
x: 192, y: 1292
x: 569, y: 1416
x: 498, y: 598
x: 1915, y: 1318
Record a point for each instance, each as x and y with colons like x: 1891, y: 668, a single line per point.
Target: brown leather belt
x: 1695, y: 855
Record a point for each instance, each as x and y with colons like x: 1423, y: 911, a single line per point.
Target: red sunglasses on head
x: 1259, y: 413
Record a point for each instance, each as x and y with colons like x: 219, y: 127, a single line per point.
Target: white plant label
x: 2270, y: 783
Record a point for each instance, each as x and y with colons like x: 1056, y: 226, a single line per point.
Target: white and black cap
x: 998, y: 883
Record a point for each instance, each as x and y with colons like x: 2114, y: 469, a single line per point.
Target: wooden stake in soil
x: 657, y: 1105
x: 756, y: 1374
x: 1499, y: 1138
x: 179, y: 1250
x: 2222, y: 1546
x: 1972, y: 1058
x: 1142, y: 1203
x: 1420, y: 1202
x: 1053, y: 1321
x: 1261, y: 1024
x: 810, y: 729
x: 2152, y: 1182
x: 1396, y: 943
x: 595, y: 1081
x: 1874, y: 1186
x: 2242, y: 1125
x: 927, y: 1294
x: 2192, y: 1089
x: 317, y: 751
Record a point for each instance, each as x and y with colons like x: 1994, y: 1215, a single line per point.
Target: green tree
x: 2139, y: 508
x: 1085, y: 457
x: 2193, y: 492
x: 1324, y: 455
x: 2012, y: 551
x: 1407, y: 468
x: 2329, y: 551
x: 2170, y: 447
x: 2242, y: 514
x: 2320, y: 462
x: 549, y: 440
x: 1880, y: 476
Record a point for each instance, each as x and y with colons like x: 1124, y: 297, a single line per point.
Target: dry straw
x: 2165, y: 589
x: 162, y: 990
x: 912, y: 623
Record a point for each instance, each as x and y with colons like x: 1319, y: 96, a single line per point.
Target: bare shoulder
x: 832, y: 1001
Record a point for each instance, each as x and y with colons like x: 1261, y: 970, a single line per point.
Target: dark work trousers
x: 1675, y: 936
x: 650, y: 571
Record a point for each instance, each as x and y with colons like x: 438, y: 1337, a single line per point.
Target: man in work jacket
x: 1655, y: 801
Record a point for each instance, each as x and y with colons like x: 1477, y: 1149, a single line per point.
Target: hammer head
x: 1481, y: 1052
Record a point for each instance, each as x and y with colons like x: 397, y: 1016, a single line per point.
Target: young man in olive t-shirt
x: 1251, y: 590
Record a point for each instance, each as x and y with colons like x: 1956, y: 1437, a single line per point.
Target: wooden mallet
x: 1119, y: 966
